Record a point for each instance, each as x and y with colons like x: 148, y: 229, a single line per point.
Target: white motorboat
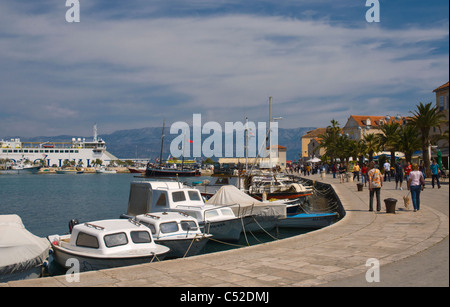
x: 107, y: 244
x: 176, y: 230
x: 105, y: 170
x: 20, y: 168
x: 163, y: 196
x: 22, y: 254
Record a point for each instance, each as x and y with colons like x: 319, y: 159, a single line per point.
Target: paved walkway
x: 320, y: 258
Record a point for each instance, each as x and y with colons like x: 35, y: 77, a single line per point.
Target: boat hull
x: 27, y: 170
x: 282, y: 195
x: 171, y: 173
x: 260, y: 223
x: 227, y: 230
x: 308, y: 220
x: 136, y: 170
x: 180, y: 248
x: 69, y: 172
x: 92, y: 263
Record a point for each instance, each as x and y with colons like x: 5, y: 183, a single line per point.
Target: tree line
x: 414, y: 135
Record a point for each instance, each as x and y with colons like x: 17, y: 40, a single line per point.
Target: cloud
x: 130, y: 72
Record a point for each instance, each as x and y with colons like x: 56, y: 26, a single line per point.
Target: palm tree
x: 389, y: 138
x: 424, y: 118
x: 408, y: 141
x: 372, y: 144
x: 329, y: 140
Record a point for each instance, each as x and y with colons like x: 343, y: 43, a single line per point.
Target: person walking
x: 375, y: 184
x: 342, y: 172
x: 364, y: 178
x: 398, y: 173
x: 407, y: 171
x: 387, y: 170
x: 334, y: 170
x: 416, y: 183
x: 356, y: 170
x: 435, y: 172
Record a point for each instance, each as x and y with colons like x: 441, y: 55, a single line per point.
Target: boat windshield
x: 188, y: 225
x: 85, y: 240
x: 115, y: 239
x: 194, y: 195
x: 140, y: 237
x: 169, y: 227
x: 178, y: 196
x: 211, y: 213
x: 227, y: 211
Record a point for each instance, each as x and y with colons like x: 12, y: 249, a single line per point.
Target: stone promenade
x: 318, y: 258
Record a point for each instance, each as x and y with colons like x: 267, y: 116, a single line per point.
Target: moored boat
x: 257, y: 215
x: 22, y: 254
x: 106, y: 244
x: 171, y: 172
x: 273, y: 187
x: 163, y: 196
x: 105, y: 170
x: 308, y: 220
x: 176, y: 230
x: 70, y: 170
x: 20, y: 168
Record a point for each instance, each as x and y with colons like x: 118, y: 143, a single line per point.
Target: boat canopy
x: 20, y: 250
x: 243, y: 204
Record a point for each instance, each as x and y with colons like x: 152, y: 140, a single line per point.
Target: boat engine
x: 72, y: 223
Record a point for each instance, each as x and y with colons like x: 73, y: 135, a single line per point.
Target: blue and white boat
x: 308, y: 220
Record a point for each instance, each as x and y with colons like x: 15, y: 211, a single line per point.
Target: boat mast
x: 270, y: 127
x: 162, y: 144
x: 246, y: 144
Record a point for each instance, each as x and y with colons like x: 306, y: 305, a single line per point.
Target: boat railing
x: 94, y: 226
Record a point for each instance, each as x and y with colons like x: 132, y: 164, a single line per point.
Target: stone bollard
x: 390, y: 205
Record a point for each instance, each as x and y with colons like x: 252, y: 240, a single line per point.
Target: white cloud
x: 223, y: 66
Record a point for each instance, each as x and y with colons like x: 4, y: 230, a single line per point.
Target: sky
x: 130, y: 64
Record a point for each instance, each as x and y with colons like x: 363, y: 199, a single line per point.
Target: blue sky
x: 129, y: 64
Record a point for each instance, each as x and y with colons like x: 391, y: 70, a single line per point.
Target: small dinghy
x: 107, y: 244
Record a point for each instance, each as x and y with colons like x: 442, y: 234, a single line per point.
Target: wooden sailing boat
x: 169, y: 172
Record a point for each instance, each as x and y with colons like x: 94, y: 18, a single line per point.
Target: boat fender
x: 72, y: 223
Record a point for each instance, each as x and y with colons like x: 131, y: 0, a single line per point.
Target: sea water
x: 47, y: 202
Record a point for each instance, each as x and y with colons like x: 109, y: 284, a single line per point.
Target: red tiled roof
x: 442, y: 87
x: 361, y: 120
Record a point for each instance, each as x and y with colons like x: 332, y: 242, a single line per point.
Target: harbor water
x: 47, y: 202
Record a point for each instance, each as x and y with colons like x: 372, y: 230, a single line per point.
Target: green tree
x: 329, y: 140
x: 424, y: 118
x: 408, y: 141
x: 372, y: 145
x: 389, y: 138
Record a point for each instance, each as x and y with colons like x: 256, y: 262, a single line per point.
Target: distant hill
x: 146, y: 142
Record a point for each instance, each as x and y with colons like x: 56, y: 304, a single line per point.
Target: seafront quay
x: 325, y: 257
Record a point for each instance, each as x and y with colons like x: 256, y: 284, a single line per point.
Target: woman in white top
x: 416, y: 183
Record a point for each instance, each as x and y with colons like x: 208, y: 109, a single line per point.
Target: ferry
x: 53, y: 154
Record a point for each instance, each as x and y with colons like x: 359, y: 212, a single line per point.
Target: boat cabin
x: 169, y: 224
x: 152, y: 196
x: 107, y: 237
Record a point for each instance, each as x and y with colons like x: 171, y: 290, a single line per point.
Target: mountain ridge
x: 145, y: 143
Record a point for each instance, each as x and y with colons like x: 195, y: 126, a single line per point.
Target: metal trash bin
x: 360, y: 187
x: 390, y: 205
